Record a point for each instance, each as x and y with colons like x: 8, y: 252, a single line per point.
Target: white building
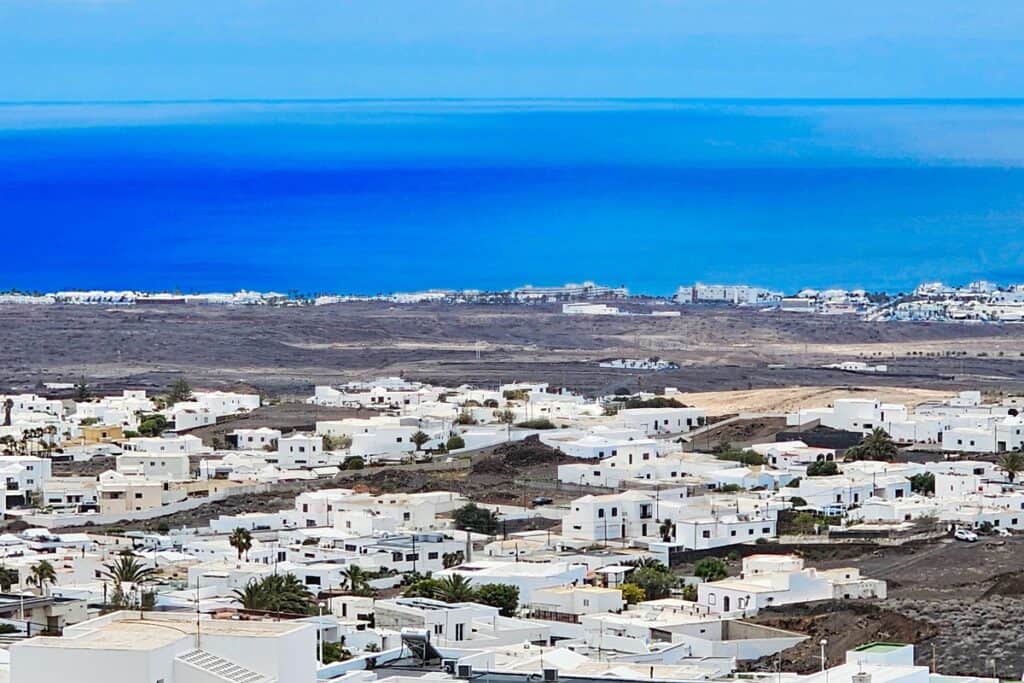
x: 661, y: 420
x: 301, y: 451
x: 169, y: 647
x: 155, y: 466
x: 526, y: 576
x: 184, y: 443
x: 254, y: 439
x: 773, y: 580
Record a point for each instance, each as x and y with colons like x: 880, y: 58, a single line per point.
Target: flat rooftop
x: 880, y: 647
x: 155, y: 631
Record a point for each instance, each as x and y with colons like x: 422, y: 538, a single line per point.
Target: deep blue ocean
x: 380, y: 196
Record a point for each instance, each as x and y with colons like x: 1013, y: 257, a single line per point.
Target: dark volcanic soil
x: 285, y: 351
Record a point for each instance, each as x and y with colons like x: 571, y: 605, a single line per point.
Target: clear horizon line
x: 653, y: 99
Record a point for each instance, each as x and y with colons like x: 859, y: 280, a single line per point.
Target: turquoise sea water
x: 377, y: 196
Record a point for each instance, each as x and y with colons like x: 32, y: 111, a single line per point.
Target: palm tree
x: 649, y: 563
x: 8, y: 577
x: 455, y: 588
x: 665, y: 530
x: 128, y: 569
x: 51, y: 432
x: 275, y: 593
x: 41, y: 574
x: 877, y: 445
x: 1012, y: 463
x: 252, y: 596
x: 241, y: 540
x: 419, y: 438
x: 356, y: 579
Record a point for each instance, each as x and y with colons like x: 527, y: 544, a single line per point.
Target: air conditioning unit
x: 550, y: 675
x: 464, y: 671
x: 448, y: 666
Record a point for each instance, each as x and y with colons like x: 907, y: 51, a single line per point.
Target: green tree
x: 656, y: 583
x: 335, y: 652
x: 81, y: 390
x: 472, y: 517
x: 455, y: 588
x: 1012, y: 463
x: 455, y: 442
x: 632, y: 593
x: 180, y: 391
x: 877, y: 445
x: 337, y: 443
x: 805, y: 523
x: 501, y: 595
x: 538, y: 423
x: 41, y: 574
x: 453, y: 559
x: 506, y: 416
x: 8, y: 578
x: 822, y: 468
x: 424, y: 588
x: 710, y: 569
x: 419, y: 438
x: 353, y: 462
x: 923, y: 483
x: 241, y: 540
x: 153, y: 425
x: 690, y: 592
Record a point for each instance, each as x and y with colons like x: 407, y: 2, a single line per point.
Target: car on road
x: 542, y: 500
x: 1000, y: 531
x: 965, y: 535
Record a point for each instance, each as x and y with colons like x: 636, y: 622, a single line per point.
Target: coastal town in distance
x: 539, y: 483
x: 516, y: 341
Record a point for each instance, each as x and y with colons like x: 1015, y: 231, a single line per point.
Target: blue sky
x: 198, y: 49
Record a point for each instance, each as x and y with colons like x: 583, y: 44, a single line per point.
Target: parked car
x: 542, y: 500
x: 1000, y: 531
x: 965, y: 535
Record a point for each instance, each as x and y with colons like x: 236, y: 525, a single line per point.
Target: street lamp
x: 320, y: 631
x: 823, y: 642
